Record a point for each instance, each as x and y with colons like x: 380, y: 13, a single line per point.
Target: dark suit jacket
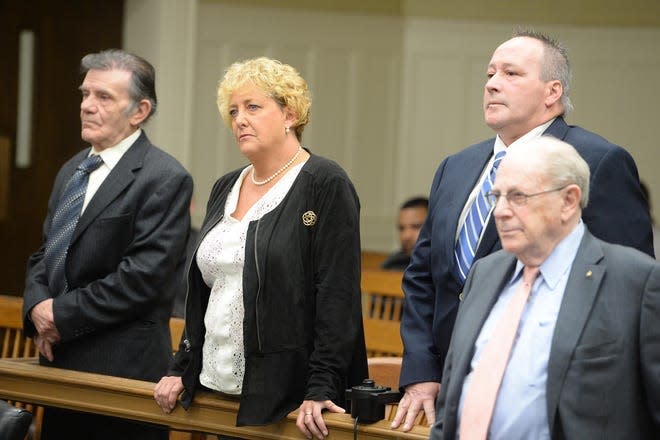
x: 617, y: 212
x: 120, y: 267
x: 604, y: 366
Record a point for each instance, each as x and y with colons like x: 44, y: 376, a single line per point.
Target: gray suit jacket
x: 120, y: 267
x: 604, y: 366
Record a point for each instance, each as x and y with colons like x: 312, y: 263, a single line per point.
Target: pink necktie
x: 482, y: 391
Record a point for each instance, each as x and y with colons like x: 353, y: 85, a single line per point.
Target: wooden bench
x: 15, y: 346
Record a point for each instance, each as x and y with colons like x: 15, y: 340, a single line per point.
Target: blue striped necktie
x: 64, y: 223
x: 468, y: 239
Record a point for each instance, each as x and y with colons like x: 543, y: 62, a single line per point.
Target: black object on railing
x: 368, y: 401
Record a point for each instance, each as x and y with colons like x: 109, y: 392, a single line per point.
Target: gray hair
x: 143, y: 74
x: 554, y: 64
x: 563, y: 165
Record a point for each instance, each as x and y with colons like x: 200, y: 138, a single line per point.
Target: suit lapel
x: 490, y: 241
x: 580, y: 293
x: 481, y: 297
x: 466, y: 170
x: 121, y: 176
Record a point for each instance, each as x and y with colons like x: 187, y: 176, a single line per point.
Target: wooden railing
x: 25, y: 380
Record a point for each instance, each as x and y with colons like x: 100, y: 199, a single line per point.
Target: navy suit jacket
x: 617, y: 213
x: 120, y: 267
x: 603, y: 376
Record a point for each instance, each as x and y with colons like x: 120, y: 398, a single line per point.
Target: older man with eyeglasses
x: 557, y: 336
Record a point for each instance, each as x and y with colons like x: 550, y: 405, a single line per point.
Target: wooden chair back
x: 371, y: 260
x: 382, y: 300
x: 14, y: 343
x: 177, y: 326
x: 385, y: 371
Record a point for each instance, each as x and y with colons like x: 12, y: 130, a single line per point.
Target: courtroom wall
x: 393, y: 93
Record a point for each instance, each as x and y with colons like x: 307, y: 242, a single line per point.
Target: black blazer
x: 120, y: 267
x: 302, y: 327
x: 617, y: 212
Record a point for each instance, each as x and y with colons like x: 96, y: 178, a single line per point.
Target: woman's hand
x: 310, y: 420
x: 166, y: 392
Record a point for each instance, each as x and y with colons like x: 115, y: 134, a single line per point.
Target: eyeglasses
x: 517, y: 198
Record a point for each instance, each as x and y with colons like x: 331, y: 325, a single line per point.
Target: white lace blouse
x: 221, y: 257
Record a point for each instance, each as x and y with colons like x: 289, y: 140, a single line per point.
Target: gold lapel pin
x: 589, y: 273
x: 309, y: 218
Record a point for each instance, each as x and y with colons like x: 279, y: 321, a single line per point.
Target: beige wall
x: 396, y: 84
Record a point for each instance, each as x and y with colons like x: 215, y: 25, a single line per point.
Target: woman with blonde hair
x: 273, y: 314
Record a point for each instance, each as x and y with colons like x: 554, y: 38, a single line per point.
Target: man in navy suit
x: 525, y: 96
x: 108, y: 312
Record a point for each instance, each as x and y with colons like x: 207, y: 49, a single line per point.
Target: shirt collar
x: 560, y: 259
x: 531, y: 135
x: 112, y: 154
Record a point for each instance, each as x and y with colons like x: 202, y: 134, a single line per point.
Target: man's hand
x: 418, y: 397
x: 44, y: 321
x: 44, y: 347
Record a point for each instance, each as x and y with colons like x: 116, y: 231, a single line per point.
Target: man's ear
x: 571, y: 201
x: 554, y: 92
x: 140, y: 113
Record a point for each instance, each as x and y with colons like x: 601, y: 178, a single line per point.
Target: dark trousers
x: 61, y: 424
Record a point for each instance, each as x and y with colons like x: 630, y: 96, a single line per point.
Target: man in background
x: 411, y: 218
x: 99, y: 291
x: 557, y: 336
x: 526, y: 95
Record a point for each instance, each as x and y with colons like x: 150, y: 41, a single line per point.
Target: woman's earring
x: 287, y: 130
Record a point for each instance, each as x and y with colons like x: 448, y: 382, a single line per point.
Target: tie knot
x: 90, y: 163
x: 498, y: 158
x: 530, y: 274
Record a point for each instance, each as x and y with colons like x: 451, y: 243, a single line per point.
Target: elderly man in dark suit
x: 99, y: 292
x: 525, y: 96
x: 558, y: 335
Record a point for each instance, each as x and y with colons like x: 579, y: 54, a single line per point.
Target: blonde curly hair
x: 280, y: 81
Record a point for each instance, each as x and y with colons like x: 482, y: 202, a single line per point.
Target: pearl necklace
x: 278, y: 172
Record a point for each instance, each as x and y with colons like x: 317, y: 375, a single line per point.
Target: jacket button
x: 460, y: 296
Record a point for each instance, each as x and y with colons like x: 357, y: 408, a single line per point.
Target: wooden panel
x: 63, y: 35
x: 4, y: 176
x: 133, y: 399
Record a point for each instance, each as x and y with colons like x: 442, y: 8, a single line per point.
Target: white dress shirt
x: 110, y: 158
